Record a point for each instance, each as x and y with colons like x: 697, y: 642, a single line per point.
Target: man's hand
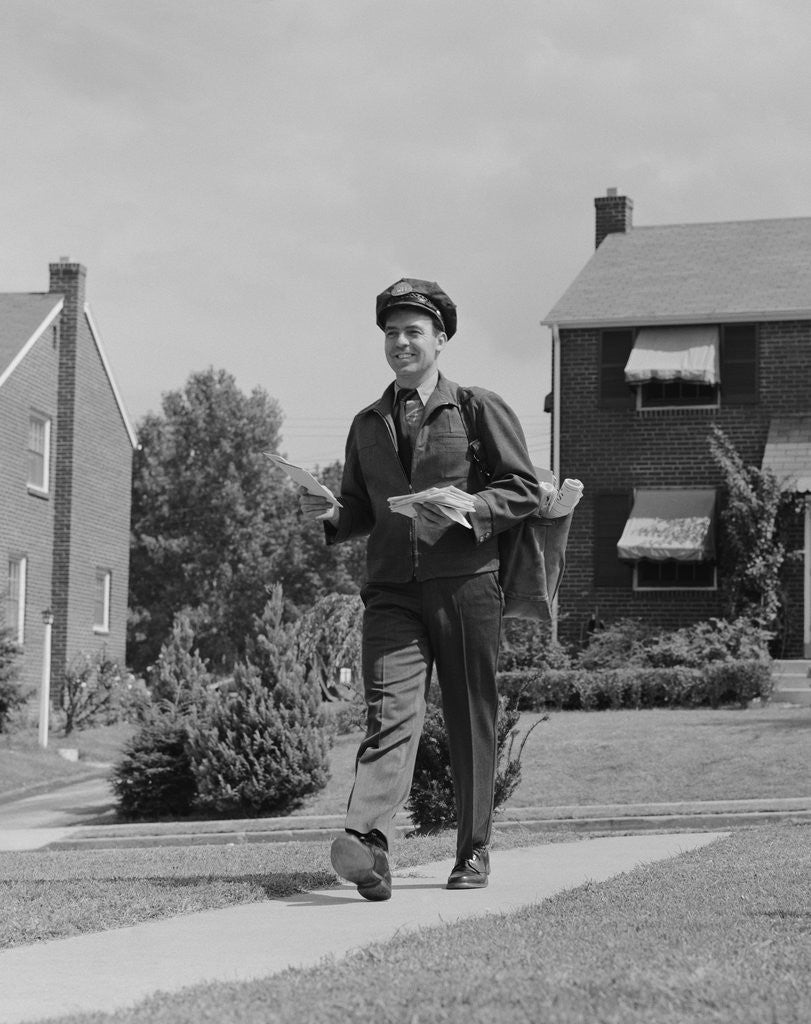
x: 318, y: 508
x: 431, y: 515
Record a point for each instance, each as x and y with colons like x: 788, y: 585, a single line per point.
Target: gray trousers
x: 455, y: 624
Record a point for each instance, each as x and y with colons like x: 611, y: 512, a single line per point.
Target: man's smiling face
x: 413, y: 342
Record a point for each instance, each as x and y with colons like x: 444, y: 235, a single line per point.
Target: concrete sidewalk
x: 114, y: 969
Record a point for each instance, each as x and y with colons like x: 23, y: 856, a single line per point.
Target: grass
x: 577, y: 757
x: 722, y: 934
x: 53, y: 894
x: 653, y: 756
x: 23, y: 763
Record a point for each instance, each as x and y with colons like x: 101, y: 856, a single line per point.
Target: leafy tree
x: 204, y: 515
x: 214, y: 526
x: 308, y: 569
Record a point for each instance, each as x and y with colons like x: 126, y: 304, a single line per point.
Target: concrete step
x: 796, y: 669
x: 801, y: 697
x: 792, y: 681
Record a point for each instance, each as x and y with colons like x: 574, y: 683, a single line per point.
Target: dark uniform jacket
x: 399, y: 549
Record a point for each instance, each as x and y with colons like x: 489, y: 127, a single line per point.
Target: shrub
x: 710, y: 641
x: 621, y: 643
x: 527, y: 645
x: 153, y: 779
x: 93, y: 691
x: 431, y: 802
x: 262, y: 746
x: 255, y: 754
x: 12, y: 696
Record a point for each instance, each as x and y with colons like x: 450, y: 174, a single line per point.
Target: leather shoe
x: 471, y: 873
x: 362, y: 859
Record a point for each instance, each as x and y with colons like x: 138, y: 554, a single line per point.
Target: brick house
x: 66, y: 449
x: 666, y: 331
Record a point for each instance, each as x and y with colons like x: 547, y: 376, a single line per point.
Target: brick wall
x: 26, y: 519
x: 618, y: 449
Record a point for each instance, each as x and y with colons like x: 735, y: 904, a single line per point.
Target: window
x: 739, y: 364
x: 39, y: 451
x: 101, y: 602
x: 673, y: 575
x: 670, y: 538
x: 611, y: 513
x: 657, y: 394
x: 674, y: 366
x: 15, y: 597
x: 615, y: 348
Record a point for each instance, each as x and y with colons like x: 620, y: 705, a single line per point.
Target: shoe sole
x: 355, y: 862
x: 468, y: 885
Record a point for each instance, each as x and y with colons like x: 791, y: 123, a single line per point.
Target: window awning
x: 788, y: 451
x: 670, y: 523
x: 674, y: 353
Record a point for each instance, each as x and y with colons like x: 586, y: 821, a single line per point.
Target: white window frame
x: 45, y: 421
x: 103, y: 578
x: 20, y: 562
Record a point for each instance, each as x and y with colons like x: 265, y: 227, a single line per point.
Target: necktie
x: 407, y: 414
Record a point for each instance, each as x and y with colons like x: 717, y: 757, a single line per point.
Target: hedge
x: 578, y: 689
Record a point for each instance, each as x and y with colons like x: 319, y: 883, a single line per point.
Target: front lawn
x: 718, y: 935
x: 652, y: 756
x: 23, y: 763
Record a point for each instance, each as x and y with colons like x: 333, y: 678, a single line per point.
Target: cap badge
x: 402, y: 288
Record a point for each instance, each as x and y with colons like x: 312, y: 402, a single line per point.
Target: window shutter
x: 611, y: 513
x: 739, y: 364
x: 615, y: 348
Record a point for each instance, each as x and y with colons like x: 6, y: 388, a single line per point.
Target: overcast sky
x: 242, y: 177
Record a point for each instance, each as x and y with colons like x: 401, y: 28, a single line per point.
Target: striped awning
x: 674, y: 353
x: 673, y: 523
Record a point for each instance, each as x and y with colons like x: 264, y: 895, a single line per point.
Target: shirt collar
x: 425, y: 390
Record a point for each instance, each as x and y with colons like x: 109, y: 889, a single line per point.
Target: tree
x: 214, y: 526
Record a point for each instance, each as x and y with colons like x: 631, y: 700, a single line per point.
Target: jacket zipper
x: 412, y: 522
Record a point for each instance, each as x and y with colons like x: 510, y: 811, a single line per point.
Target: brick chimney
x: 67, y: 279
x: 614, y: 213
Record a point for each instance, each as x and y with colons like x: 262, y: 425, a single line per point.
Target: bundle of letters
x: 450, y: 500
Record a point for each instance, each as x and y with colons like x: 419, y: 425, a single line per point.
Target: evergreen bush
x: 263, y: 745
x: 154, y: 779
x: 431, y: 802
x: 179, y: 675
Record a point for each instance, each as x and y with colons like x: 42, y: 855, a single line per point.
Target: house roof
x: 693, y: 273
x: 23, y: 317
x: 788, y: 451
